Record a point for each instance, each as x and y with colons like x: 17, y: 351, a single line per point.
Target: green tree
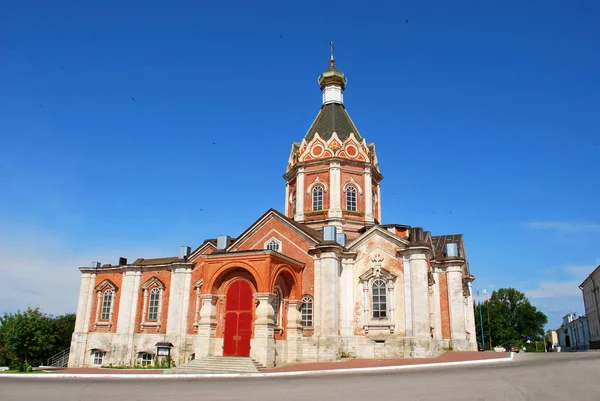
x: 30, y: 337
x: 512, y: 318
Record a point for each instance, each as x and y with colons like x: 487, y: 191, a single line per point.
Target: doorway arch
x: 238, y: 319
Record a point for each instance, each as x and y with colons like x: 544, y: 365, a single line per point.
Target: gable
x: 282, y: 229
x: 382, y: 235
x: 292, y: 239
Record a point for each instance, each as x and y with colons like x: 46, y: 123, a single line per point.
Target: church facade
x: 322, y: 280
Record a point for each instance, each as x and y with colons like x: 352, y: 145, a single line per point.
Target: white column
x: 78, y: 351
x: 437, y: 310
x: 130, y: 287
x: 287, y: 199
x: 294, y: 331
x: 129, y: 290
x: 335, y: 190
x: 368, y: 196
x: 179, y: 301
x: 470, y: 321
x: 420, y: 295
x: 457, y: 309
x: 347, y: 298
x: 329, y: 294
x: 379, y: 201
x: 207, y: 326
x: 84, y: 304
x: 262, y: 346
x: 300, y: 194
x: 408, y: 297
x: 177, y: 294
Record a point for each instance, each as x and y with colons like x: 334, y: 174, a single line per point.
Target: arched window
x: 153, y: 304
x: 379, y: 299
x: 351, y: 199
x: 273, y: 245
x: 317, y: 198
x: 107, y: 299
x: 307, y: 311
x: 277, y: 306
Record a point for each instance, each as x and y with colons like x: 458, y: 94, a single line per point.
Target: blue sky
x: 484, y: 114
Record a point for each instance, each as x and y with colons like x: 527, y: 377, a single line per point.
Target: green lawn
x: 33, y: 372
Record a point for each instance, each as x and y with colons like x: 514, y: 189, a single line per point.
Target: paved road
x: 552, y: 376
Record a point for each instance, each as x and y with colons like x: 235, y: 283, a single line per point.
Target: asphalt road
x: 552, y: 376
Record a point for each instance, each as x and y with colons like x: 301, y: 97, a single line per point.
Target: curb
x: 264, y: 374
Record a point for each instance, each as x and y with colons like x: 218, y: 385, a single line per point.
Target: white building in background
x: 590, y: 289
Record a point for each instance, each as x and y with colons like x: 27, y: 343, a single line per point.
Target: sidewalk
x: 347, y: 364
x: 452, y: 356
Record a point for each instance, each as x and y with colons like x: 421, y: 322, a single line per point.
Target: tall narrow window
x: 294, y: 204
x: 307, y: 311
x: 106, y: 304
x: 276, y: 306
x: 351, y: 199
x: 153, y: 304
x: 317, y: 198
x: 379, y: 299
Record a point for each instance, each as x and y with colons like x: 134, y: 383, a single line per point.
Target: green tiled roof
x: 332, y: 117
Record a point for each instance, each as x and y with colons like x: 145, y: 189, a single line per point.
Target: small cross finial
x: 331, y: 59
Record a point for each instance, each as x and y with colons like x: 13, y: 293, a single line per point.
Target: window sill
x: 379, y: 328
x: 150, y: 325
x: 103, y: 324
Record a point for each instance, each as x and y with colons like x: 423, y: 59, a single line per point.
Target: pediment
x: 153, y: 282
x: 380, y: 232
x: 106, y: 284
x: 377, y: 273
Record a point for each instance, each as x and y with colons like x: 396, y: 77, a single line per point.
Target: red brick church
x: 322, y: 279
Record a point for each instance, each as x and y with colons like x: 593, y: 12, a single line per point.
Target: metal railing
x: 60, y: 360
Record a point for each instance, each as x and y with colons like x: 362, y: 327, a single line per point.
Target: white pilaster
x: 262, y: 346
x: 347, y: 298
x: 368, y: 196
x: 470, y: 321
x: 329, y: 294
x: 408, y: 313
x: 130, y: 286
x: 176, y: 296
x: 379, y: 202
x: 300, y: 190
x: 437, y: 334
x: 179, y: 300
x: 84, y: 304
x: 335, y: 190
x: 457, y: 309
x: 78, y: 351
x: 287, y: 199
x: 294, y: 332
x: 420, y: 295
x: 207, y: 325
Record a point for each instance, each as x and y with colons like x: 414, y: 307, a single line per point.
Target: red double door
x: 238, y: 319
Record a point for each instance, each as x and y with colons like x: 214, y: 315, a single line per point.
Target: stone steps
x: 220, y: 364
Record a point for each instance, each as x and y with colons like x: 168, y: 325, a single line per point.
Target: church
x: 323, y: 280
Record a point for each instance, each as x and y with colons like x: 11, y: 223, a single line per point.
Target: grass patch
x: 33, y: 372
